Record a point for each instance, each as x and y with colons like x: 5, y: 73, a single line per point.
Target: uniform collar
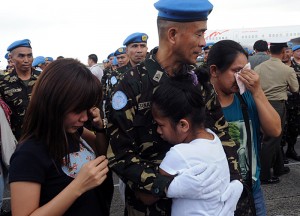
x: 275, y: 59
x: 34, y: 74
x: 156, y: 73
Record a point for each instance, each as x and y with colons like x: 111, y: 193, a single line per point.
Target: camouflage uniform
x: 136, y: 150
x: 293, y: 113
x: 106, y: 74
x: 112, y: 80
x: 16, y: 95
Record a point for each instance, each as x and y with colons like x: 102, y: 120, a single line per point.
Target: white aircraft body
x: 247, y: 36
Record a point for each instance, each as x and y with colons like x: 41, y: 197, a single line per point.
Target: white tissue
x: 240, y: 84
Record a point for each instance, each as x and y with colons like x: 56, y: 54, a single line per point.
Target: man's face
x: 90, y: 62
x: 296, y: 54
x: 205, y: 55
x: 189, y: 41
x: 21, y: 58
x: 110, y: 61
x: 122, y: 59
x: 105, y: 65
x: 137, y: 52
x: 287, y: 55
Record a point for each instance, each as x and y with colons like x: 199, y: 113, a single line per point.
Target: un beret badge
x: 144, y: 38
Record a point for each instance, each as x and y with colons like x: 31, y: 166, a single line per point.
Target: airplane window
x: 294, y: 34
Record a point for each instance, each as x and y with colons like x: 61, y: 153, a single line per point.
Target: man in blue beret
x: 107, y: 70
x: 9, y: 67
x: 296, y: 58
x: 136, y: 48
x: 106, y: 73
x: 39, y: 63
x: 206, y: 49
x: 49, y: 60
x: 16, y: 87
x: 121, y: 56
x: 293, y: 110
x: 136, y: 149
x: 136, y: 51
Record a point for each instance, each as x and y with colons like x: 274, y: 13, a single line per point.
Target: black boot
x: 291, y: 153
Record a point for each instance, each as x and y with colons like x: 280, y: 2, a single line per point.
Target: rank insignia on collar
x: 158, y: 76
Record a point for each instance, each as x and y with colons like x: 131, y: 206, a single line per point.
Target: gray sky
x: 74, y: 28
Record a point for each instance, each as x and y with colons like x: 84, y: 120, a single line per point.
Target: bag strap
x: 248, y: 130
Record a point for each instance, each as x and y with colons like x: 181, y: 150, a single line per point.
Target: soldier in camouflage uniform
x: 293, y: 110
x: 16, y: 87
x: 107, y: 71
x: 9, y: 67
x: 135, y: 149
x: 136, y: 49
x: 104, y: 81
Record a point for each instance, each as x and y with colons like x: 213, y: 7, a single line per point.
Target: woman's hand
x: 96, y: 117
x: 251, y: 80
x: 91, y: 174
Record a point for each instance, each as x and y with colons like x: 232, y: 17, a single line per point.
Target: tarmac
x: 282, y: 199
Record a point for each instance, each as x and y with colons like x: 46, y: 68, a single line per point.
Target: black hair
x: 93, y: 57
x: 276, y: 49
x: 261, y: 46
x: 179, y: 98
x: 223, y: 53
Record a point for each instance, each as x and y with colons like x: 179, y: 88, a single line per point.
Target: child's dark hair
x: 179, y: 98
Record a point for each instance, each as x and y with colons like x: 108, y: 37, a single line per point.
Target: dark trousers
x: 271, y: 156
x: 293, y: 120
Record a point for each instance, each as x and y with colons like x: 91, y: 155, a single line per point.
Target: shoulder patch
x: 119, y: 100
x: 113, y: 80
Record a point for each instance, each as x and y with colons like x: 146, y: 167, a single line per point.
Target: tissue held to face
x: 227, y: 79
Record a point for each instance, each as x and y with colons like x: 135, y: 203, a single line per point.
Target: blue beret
x: 48, y: 59
x: 110, y: 55
x: 19, y: 43
x: 290, y: 45
x: 120, y: 51
x: 6, y: 56
x: 38, y: 60
x: 208, y: 46
x: 136, y: 38
x: 183, y: 10
x: 296, y: 47
x: 115, y: 61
